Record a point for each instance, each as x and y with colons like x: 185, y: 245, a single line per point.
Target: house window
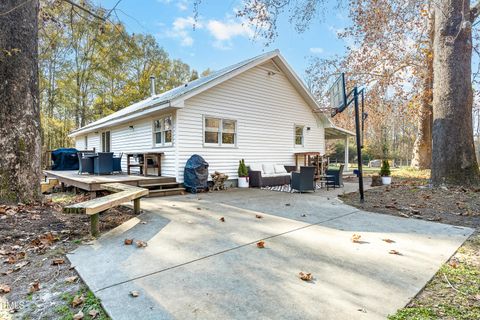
x: 162, y: 131
x: 106, y: 141
x: 220, y: 132
x: 86, y: 142
x: 299, y: 138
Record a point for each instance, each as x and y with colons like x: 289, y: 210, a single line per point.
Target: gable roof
x: 175, y: 97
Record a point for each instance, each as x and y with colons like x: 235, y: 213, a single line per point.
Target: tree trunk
x: 453, y: 153
x: 20, y: 141
x: 422, y: 149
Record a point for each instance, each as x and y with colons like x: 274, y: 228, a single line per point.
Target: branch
x: 85, y: 9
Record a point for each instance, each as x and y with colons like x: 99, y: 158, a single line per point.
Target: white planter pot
x: 386, y: 180
x: 243, y: 182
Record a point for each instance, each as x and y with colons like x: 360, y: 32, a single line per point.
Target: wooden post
x: 346, y: 154
x: 94, y: 225
x: 136, y: 206
x: 93, y: 194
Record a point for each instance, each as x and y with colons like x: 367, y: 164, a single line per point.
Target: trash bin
x: 195, y: 175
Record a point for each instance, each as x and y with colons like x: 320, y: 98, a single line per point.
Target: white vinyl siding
x: 92, y: 139
x: 266, y: 109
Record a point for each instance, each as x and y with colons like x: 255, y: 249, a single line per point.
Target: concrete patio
x: 196, y: 266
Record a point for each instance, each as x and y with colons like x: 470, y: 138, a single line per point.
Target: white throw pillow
x: 268, y: 169
x: 280, y: 169
x: 256, y: 167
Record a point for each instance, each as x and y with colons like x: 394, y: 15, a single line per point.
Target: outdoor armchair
x: 103, y: 163
x: 338, y: 174
x: 304, y: 180
x: 85, y: 164
x: 117, y: 163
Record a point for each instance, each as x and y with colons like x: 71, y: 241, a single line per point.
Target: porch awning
x: 337, y: 133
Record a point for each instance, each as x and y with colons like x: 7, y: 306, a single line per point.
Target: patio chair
x: 304, y: 180
x: 117, y: 163
x: 85, y: 164
x: 338, y: 174
x: 103, y: 163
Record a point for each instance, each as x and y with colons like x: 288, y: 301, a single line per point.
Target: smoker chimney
x: 152, y: 86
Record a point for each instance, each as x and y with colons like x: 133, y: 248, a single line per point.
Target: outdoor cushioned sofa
x: 262, y: 175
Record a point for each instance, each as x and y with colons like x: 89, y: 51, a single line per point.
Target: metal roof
x: 174, y: 97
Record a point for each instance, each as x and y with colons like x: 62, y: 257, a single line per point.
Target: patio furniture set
x: 99, y: 162
x: 307, y: 179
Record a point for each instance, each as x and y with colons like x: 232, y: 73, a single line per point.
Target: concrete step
x: 166, y: 192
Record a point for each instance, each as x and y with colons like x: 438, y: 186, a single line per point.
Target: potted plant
x: 385, y: 173
x: 242, y: 175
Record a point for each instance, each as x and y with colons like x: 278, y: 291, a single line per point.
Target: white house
x: 258, y: 110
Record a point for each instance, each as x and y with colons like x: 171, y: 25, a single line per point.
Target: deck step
x: 158, y: 184
x: 166, y: 192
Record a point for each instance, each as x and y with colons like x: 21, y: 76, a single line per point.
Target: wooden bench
x: 121, y: 193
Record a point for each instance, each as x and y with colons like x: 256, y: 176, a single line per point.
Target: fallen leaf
x: 287, y: 204
x: 258, y: 216
x: 134, y: 293
x: 58, y: 261
x: 199, y: 208
x: 141, y: 244
x: 362, y: 310
x: 261, y: 244
x: 78, y: 316
x: 77, y: 300
x: 394, y: 252
x: 222, y: 219
x: 453, y: 263
x: 2, y: 211
x: 356, y: 238
x: 388, y: 240
x: 305, y: 276
x: 71, y: 279
x: 128, y: 242
x: 93, y: 313
x: 34, y: 286
x: 4, y: 288
x: 143, y: 222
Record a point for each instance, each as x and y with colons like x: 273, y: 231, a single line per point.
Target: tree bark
x: 453, y: 153
x: 422, y: 148
x: 20, y: 139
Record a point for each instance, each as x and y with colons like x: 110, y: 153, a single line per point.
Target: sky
x: 220, y: 39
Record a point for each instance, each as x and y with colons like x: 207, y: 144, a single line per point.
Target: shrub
x: 385, y: 169
x: 242, y: 169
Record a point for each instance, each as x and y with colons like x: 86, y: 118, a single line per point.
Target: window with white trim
x: 299, y: 137
x: 106, y: 141
x: 162, y: 131
x: 220, y: 132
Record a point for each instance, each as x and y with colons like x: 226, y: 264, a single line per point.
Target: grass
x: 63, y: 197
x: 458, y: 298
x: 67, y: 312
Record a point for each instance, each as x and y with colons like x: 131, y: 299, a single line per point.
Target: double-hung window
x: 299, y: 138
x: 106, y: 142
x: 220, y: 132
x: 162, y: 131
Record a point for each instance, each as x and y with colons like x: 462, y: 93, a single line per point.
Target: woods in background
x: 91, y: 67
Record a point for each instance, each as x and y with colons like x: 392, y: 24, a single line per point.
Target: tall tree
x: 453, y: 153
x: 20, y: 141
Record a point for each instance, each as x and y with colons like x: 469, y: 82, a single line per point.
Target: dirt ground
x: 36, y: 279
x: 454, y: 292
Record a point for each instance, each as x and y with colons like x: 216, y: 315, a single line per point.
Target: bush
x: 242, y: 169
x: 385, y: 169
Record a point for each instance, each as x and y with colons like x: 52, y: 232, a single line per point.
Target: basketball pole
x: 359, y: 144
x: 358, y: 126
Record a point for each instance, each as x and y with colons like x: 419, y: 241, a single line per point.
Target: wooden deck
x: 93, y: 182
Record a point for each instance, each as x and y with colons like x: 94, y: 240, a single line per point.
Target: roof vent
x: 152, y: 86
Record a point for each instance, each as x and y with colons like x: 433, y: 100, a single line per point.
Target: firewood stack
x: 219, y: 179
